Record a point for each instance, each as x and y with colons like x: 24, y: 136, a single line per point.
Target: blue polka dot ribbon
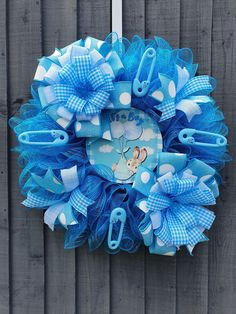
x: 55, y: 192
x: 173, y: 201
x: 77, y: 82
x: 172, y: 97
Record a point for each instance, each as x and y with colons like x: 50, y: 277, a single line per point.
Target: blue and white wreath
x: 121, y: 145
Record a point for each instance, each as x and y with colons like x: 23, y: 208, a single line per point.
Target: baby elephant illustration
x: 139, y: 156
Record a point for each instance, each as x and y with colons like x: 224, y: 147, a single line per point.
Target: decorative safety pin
x: 141, y: 88
x: 117, y: 214
x: 58, y: 137
x: 186, y: 137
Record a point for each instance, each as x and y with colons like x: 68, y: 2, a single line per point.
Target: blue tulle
x: 211, y: 119
x: 107, y: 195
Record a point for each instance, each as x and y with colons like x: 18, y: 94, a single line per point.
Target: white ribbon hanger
x: 116, y: 18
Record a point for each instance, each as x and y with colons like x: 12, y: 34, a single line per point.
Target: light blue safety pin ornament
x: 55, y: 137
x: 140, y: 89
x: 117, y: 215
x: 186, y: 137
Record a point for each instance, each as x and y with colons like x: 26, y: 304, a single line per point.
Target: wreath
x: 121, y: 145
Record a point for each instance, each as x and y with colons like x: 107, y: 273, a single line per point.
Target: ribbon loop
x: 157, y: 202
x: 203, y: 84
x: 68, y: 75
x: 75, y: 104
x: 70, y: 178
x: 96, y: 78
x: 83, y: 67
x: 177, y: 186
x: 63, y: 92
x: 80, y: 202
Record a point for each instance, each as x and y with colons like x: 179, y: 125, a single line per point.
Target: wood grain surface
x: 37, y: 276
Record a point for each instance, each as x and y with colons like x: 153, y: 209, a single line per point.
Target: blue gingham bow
x: 78, y: 81
x: 81, y: 86
x: 51, y: 191
x: 80, y: 76
x: 174, y: 212
x: 178, y: 204
x: 185, y: 97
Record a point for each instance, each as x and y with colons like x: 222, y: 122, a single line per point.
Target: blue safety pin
x: 118, y: 214
x: 141, y: 88
x: 186, y: 137
x: 57, y: 137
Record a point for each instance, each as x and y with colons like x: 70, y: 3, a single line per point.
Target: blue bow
x: 80, y: 76
x: 59, y: 211
x: 78, y: 80
x: 174, y: 212
x: 50, y: 190
x: 65, y: 213
x: 182, y: 97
